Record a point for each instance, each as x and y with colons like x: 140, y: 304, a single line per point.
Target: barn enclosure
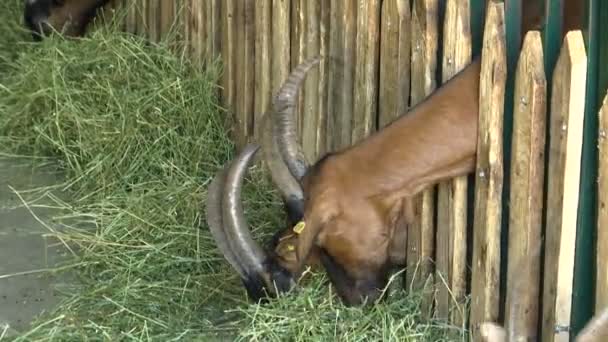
x: 542, y: 163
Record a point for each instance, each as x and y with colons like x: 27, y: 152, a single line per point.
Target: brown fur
x: 359, y: 199
x: 69, y: 17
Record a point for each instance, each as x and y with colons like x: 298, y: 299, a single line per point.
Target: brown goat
x: 70, y: 17
x: 352, y: 203
x: 353, y: 200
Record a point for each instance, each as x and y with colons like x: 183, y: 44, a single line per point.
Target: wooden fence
x: 383, y: 57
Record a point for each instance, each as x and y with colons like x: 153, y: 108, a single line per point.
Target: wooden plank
x: 567, y: 108
x: 153, y: 16
x: 131, y: 17
x: 229, y: 54
x: 298, y: 48
x: 323, y: 91
x: 167, y: 17
x: 280, y: 42
x: 601, y: 284
x: 421, y: 236
x: 197, y: 31
x: 213, y: 29
x: 349, y: 22
x: 526, y: 196
x: 244, y: 78
x: 366, y: 69
x: 485, y: 284
x: 451, y: 247
x: 335, y: 76
x: 310, y: 101
x: 263, y: 71
x: 143, y: 24
x: 395, y: 41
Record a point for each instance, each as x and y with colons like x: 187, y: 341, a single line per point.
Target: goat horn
x: 284, y: 120
x: 250, y: 255
x: 215, y: 220
x: 288, y: 186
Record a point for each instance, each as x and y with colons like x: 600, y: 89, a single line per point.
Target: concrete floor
x: 24, y: 291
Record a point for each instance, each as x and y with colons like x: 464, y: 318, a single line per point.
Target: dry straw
x: 139, y: 134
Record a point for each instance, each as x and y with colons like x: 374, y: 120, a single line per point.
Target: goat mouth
x: 261, y: 275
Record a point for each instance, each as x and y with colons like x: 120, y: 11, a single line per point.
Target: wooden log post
x: 154, y: 8
x: 526, y: 196
x: 451, y: 238
x: 131, y: 17
x: 229, y: 54
x: 323, y: 90
x: 309, y: 47
x: 213, y: 29
x: 280, y: 42
x: 601, y: 284
x: 167, y: 18
x: 244, y: 71
x: 340, y: 73
x: 263, y: 69
x: 366, y: 69
x: 566, y: 134
x: 489, y: 172
x: 421, y: 237
x: 394, y: 84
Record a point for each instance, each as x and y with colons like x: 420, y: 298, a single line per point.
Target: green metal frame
x: 596, y: 41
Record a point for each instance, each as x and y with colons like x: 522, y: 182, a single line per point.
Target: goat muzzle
x: 261, y: 274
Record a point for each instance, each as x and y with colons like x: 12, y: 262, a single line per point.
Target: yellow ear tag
x: 298, y: 228
x: 291, y: 248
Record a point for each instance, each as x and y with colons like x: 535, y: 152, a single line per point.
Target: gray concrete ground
x: 25, y: 290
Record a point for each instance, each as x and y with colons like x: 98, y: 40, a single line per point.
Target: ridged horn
x: 249, y: 253
x: 216, y: 223
x: 284, y: 120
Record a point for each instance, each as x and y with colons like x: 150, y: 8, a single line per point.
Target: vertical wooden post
x: 394, y: 84
x: 263, y: 68
x: 167, y: 17
x: 154, y: 20
x: 244, y: 62
x: 567, y: 109
x: 489, y: 172
x: 526, y: 198
x: 323, y: 90
x: 280, y: 42
x: 424, y: 46
x: 601, y: 285
x: 366, y: 69
x: 228, y: 55
x: 452, y: 195
x: 309, y: 47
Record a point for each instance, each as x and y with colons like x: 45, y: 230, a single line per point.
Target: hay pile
x: 139, y: 134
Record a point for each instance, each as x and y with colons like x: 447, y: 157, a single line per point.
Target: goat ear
x: 492, y: 332
x: 307, y: 232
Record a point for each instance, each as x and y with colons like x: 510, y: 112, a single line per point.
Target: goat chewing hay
x: 139, y: 135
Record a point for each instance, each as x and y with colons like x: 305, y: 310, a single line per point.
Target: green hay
x: 139, y: 134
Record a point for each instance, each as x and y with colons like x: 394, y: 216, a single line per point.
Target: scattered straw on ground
x: 139, y: 134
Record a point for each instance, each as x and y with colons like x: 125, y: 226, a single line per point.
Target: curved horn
x: 250, y: 255
x: 284, y: 120
x: 215, y: 221
x: 288, y: 186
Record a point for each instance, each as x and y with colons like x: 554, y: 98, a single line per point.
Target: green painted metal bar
x: 478, y: 15
x: 552, y: 35
x: 513, y: 33
x: 596, y: 41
